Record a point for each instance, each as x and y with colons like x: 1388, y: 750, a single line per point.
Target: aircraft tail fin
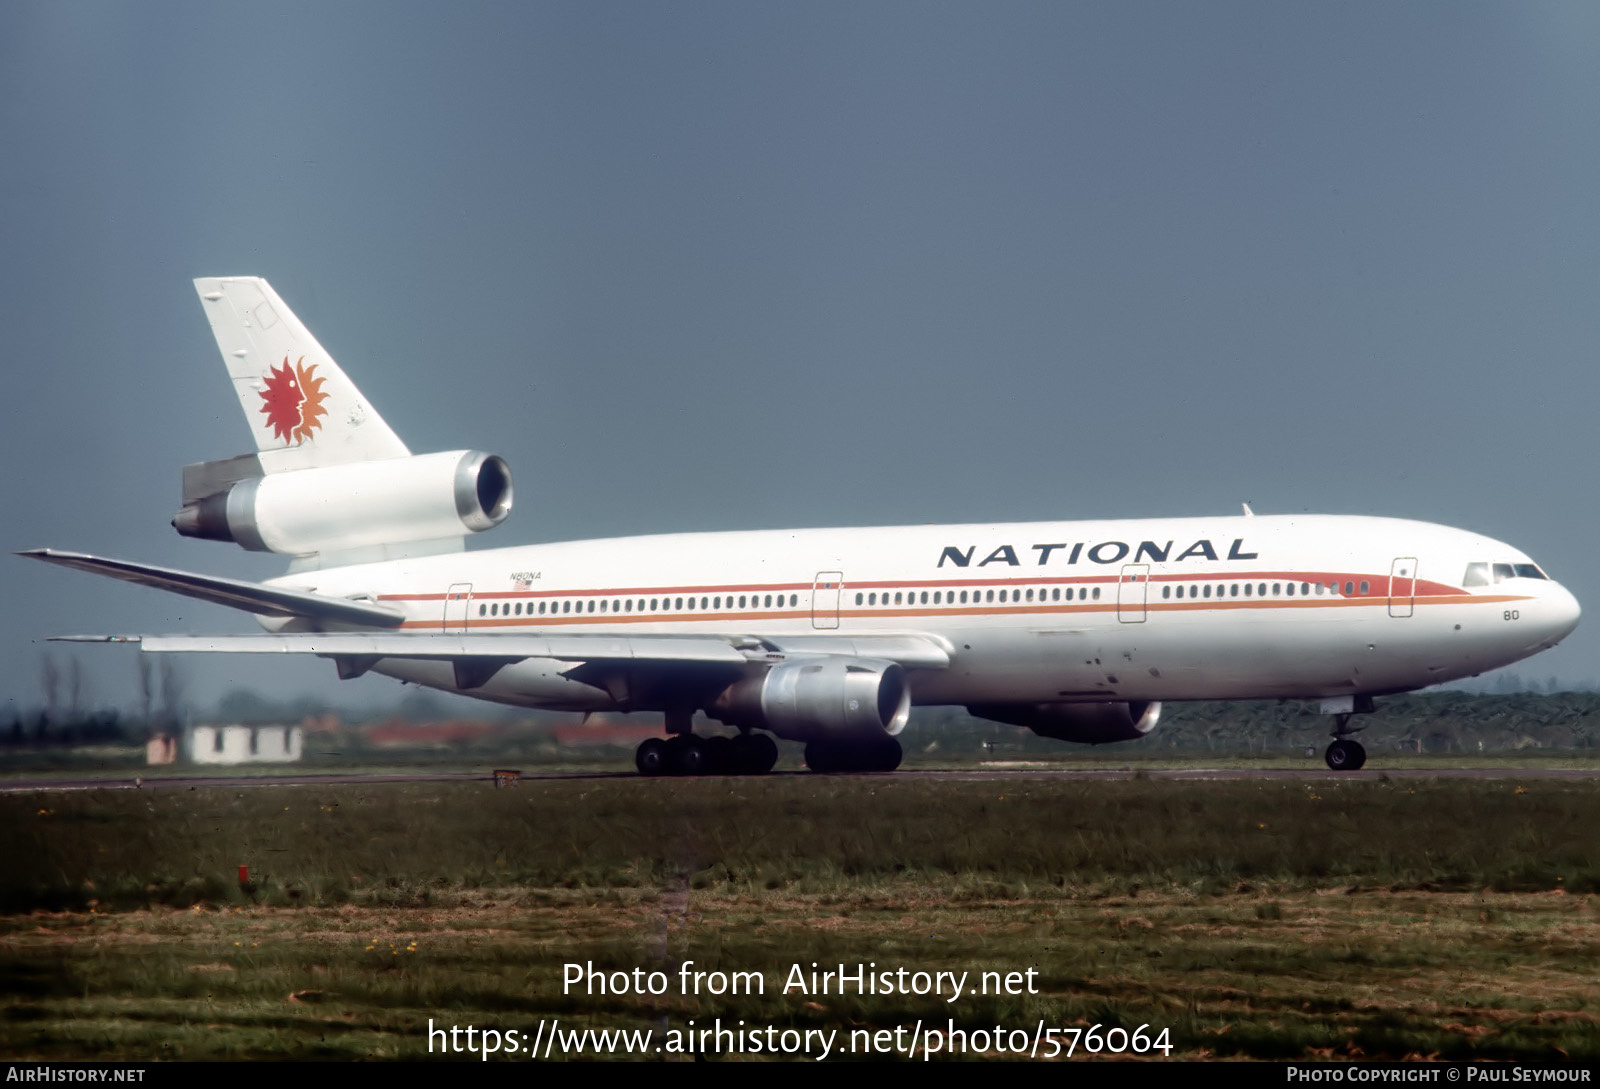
x: 302, y: 409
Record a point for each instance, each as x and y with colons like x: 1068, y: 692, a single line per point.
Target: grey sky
x: 749, y: 265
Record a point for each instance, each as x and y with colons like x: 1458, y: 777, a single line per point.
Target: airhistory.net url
x: 549, y: 1040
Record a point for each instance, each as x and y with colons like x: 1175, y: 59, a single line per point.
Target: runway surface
x: 981, y: 773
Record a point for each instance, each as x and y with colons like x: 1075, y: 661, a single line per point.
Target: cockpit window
x: 1478, y: 574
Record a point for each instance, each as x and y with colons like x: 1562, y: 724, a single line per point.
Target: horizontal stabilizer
x: 252, y: 597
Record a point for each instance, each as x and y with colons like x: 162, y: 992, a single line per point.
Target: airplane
x: 1077, y: 630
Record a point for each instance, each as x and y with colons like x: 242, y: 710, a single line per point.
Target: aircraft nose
x: 1559, y: 613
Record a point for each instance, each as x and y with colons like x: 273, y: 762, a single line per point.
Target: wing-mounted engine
x: 829, y: 697
x: 1084, y: 723
x: 343, y: 508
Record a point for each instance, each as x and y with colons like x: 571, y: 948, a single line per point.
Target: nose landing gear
x: 1343, y: 753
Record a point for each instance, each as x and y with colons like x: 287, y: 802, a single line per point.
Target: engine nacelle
x: 828, y: 697
x: 359, y: 505
x: 1085, y: 723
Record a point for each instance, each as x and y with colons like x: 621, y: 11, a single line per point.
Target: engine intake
x: 826, y: 697
x: 1085, y: 723
x: 359, y: 505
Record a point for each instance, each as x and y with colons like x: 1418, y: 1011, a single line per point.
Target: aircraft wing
x: 914, y: 651
x: 252, y: 597
x: 477, y: 658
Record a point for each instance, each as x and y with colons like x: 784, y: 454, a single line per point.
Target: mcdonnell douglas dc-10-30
x: 1076, y: 630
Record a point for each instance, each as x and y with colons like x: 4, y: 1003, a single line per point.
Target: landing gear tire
x: 753, y: 754
x: 721, y: 757
x: 829, y: 756
x: 1345, y: 755
x: 651, y: 757
x: 884, y: 755
x: 690, y: 756
x: 821, y: 757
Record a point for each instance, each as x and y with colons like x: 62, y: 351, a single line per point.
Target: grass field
x: 1252, y: 919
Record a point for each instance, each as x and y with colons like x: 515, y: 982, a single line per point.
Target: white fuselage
x: 1312, y: 607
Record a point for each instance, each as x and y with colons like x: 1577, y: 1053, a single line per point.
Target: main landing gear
x: 686, y: 754
x: 1343, y: 753
x: 879, y: 754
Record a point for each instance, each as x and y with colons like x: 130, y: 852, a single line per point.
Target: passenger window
x: 1364, y: 587
x: 1097, y: 593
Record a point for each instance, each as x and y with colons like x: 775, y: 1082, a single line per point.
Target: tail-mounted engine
x: 830, y: 697
x: 342, y: 507
x: 1085, y: 723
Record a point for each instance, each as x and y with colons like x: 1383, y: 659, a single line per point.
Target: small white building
x: 246, y: 744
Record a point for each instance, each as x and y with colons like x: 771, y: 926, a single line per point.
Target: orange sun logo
x: 294, y: 401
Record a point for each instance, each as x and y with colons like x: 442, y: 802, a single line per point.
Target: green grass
x: 1253, y: 919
